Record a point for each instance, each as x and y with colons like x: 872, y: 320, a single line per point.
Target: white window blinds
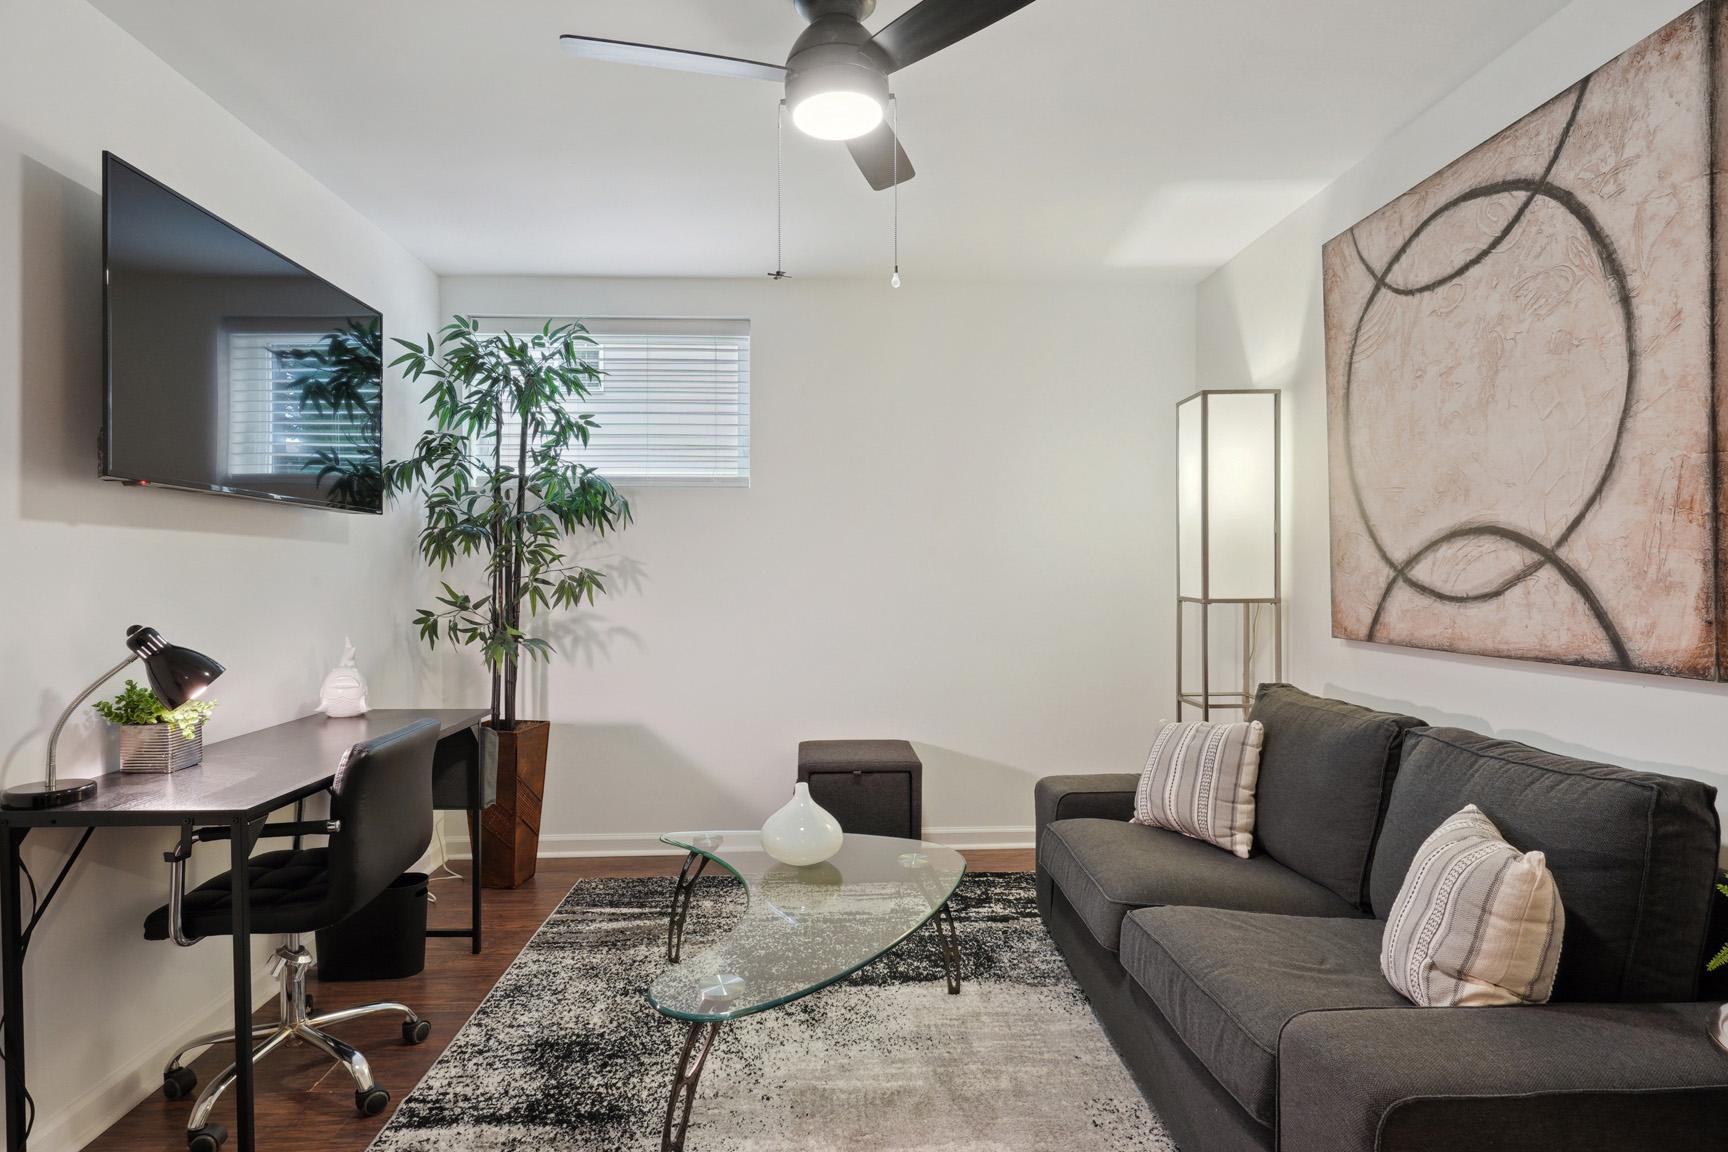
x: 271, y: 431
x: 674, y: 402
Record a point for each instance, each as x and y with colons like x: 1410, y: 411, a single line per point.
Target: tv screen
x: 230, y: 368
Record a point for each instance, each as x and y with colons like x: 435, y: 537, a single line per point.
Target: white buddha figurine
x: 344, y: 691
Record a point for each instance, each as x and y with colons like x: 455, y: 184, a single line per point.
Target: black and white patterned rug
x: 565, y: 1054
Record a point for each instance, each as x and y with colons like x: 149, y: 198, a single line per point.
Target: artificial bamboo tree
x: 501, y: 482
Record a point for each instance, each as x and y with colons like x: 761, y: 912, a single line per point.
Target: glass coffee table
x: 803, y: 929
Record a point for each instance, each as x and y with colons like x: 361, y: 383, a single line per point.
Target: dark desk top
x: 244, y: 777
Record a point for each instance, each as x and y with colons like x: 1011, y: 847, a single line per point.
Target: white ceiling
x: 1075, y: 137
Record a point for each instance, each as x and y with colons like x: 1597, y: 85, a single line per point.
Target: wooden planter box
x: 510, y: 827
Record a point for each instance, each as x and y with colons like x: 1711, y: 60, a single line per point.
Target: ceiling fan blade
x: 682, y: 60
x: 875, y: 154
x: 935, y: 24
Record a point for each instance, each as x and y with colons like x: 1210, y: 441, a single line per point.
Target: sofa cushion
x: 1632, y: 853
x: 1326, y: 770
x: 1107, y: 868
x: 1228, y: 982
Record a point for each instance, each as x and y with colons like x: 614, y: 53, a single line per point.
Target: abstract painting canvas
x: 1522, y: 383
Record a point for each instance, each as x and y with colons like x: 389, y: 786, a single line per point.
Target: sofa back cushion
x: 1632, y: 853
x: 1326, y: 770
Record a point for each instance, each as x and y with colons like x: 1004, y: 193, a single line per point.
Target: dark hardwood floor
x: 306, y: 1102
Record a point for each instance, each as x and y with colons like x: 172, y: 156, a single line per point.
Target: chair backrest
x: 1633, y: 853
x: 382, y: 795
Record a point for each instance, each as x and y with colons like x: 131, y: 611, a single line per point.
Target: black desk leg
x: 12, y: 961
x: 476, y: 788
x: 240, y: 850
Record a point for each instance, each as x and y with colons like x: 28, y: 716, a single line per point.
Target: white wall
x: 1259, y: 325
x: 956, y: 533
x: 270, y: 591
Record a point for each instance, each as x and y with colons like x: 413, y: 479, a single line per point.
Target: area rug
x: 566, y: 1055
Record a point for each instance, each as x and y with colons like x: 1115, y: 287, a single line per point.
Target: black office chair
x: 380, y: 824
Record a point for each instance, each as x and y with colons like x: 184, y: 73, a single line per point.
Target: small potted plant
x: 154, y: 738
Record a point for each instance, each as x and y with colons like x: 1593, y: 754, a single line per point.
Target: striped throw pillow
x: 1477, y: 922
x: 1199, y: 780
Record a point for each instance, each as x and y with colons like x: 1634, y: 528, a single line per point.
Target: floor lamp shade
x: 1227, y: 534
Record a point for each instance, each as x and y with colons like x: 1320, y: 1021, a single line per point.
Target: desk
x: 239, y: 784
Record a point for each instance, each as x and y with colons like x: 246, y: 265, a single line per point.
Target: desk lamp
x: 176, y: 676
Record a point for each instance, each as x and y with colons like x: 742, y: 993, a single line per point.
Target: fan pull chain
x: 779, y: 272
x: 894, y: 114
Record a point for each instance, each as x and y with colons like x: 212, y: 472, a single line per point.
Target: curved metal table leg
x: 950, y: 940
x: 698, y: 1042
x: 681, y: 903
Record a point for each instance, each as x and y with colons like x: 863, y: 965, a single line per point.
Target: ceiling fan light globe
x: 837, y: 115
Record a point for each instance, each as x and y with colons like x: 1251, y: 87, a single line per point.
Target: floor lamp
x: 1227, y: 545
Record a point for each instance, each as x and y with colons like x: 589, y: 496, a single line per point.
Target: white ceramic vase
x: 1720, y: 1032
x: 802, y: 832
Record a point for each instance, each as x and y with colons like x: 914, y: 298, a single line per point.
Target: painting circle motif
x: 1523, y: 385
x: 1514, y: 552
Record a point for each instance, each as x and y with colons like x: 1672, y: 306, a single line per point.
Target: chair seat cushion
x: 288, y: 890
x: 1227, y: 983
x: 1108, y: 868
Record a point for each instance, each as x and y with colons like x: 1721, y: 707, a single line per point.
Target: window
x: 674, y: 403
x: 273, y: 429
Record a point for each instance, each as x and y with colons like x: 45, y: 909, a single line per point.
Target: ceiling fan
x: 836, y: 75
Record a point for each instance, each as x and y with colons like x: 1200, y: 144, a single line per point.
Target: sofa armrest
x: 1628, y: 1077
x: 1105, y: 795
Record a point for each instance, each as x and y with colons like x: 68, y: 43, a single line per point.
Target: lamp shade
x: 176, y: 674
x: 1227, y: 495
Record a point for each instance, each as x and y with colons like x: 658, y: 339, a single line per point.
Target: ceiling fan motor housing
x: 835, y: 54
x: 813, y: 10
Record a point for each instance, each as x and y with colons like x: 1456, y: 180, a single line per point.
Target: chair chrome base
x: 295, y: 1023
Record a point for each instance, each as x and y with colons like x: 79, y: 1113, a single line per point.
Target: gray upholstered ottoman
x: 873, y: 787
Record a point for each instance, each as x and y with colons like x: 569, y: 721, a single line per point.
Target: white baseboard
x: 1006, y: 836
x: 108, y: 1100
x: 561, y: 845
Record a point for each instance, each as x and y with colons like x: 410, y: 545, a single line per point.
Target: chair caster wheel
x: 178, y: 1083
x: 416, y: 1031
x: 372, y: 1102
x: 206, y: 1139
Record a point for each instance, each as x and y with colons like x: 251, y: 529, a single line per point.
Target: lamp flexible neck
x: 54, y: 740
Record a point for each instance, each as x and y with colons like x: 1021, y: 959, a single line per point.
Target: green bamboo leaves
x: 500, y: 481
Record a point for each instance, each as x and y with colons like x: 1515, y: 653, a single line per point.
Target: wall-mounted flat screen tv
x: 228, y: 367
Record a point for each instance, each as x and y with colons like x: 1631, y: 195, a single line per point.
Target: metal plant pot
x: 1719, y: 1033
x: 158, y: 748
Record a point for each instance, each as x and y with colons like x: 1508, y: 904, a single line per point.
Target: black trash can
x: 386, y: 940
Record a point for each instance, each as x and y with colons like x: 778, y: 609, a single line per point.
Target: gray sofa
x: 1246, y: 997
